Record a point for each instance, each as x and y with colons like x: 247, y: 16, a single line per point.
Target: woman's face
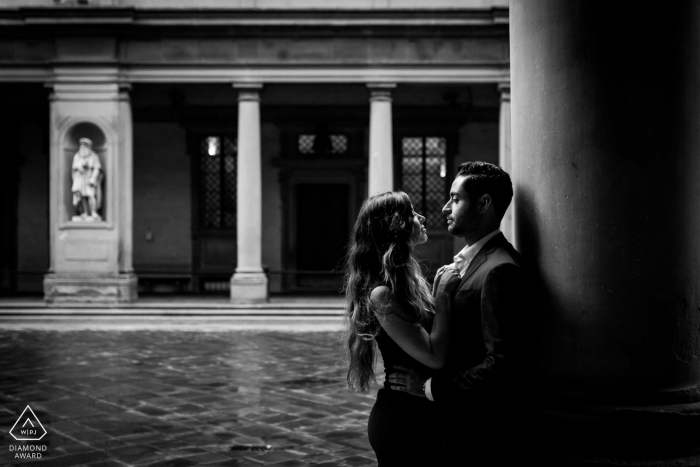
x: 418, y: 234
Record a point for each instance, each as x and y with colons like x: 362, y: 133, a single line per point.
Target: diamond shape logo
x: 28, y: 427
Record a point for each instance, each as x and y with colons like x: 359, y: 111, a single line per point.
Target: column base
x: 631, y: 430
x: 249, y: 287
x: 74, y: 288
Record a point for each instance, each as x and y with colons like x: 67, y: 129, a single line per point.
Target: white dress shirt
x: 462, y: 261
x: 465, y: 257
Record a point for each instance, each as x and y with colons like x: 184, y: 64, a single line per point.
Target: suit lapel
x: 480, y: 257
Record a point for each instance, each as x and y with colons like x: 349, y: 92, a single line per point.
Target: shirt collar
x: 465, y: 257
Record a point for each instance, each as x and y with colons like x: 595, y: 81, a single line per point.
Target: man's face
x: 462, y: 216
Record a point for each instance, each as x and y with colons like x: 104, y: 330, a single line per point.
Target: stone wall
x: 162, y: 198
x: 271, y: 206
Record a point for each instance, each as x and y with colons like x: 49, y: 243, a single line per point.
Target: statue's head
x: 85, y: 146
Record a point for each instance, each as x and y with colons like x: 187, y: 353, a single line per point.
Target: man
x: 479, y: 389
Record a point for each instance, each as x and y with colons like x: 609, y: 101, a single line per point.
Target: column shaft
x: 249, y: 283
x: 606, y: 168
x: 381, y: 154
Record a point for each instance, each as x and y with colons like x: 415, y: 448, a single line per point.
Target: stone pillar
x: 91, y: 256
x: 381, y: 154
x: 607, y: 202
x: 504, y: 157
x: 249, y: 283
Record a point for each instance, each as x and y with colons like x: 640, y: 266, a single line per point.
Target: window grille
x: 306, y: 144
x: 338, y: 144
x: 218, y: 183
x: 423, y: 177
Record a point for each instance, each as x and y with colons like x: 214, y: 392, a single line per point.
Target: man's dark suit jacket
x: 482, y: 379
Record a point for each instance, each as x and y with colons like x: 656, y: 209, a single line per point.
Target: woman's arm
x: 428, y: 349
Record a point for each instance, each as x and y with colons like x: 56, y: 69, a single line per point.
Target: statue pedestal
x: 249, y: 287
x: 78, y: 288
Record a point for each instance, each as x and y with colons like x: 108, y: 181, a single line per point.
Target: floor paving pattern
x: 181, y: 398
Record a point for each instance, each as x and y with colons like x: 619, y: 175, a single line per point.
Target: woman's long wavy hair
x: 380, y: 252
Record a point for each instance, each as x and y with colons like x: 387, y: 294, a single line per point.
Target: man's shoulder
x: 501, y: 251
x: 505, y: 254
x: 499, y: 263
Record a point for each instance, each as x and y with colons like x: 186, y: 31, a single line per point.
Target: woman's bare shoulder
x: 381, y: 294
x: 386, y: 304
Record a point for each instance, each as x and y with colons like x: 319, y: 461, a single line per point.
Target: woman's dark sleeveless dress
x: 403, y: 429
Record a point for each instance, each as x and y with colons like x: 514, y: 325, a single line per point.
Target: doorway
x: 322, y: 229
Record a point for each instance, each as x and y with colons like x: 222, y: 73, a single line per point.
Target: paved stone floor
x: 181, y: 398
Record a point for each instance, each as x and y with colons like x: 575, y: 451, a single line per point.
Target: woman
x: 389, y: 305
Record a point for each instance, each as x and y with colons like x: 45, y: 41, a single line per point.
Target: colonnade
x: 249, y: 283
x: 91, y: 261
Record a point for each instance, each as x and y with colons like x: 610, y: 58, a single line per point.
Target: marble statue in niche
x: 87, y: 183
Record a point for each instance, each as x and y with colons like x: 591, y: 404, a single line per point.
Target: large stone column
x: 91, y: 255
x: 504, y: 157
x: 381, y: 154
x: 249, y: 282
x: 606, y: 163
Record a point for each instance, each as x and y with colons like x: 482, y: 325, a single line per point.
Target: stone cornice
x: 240, y: 17
x: 411, y: 73
x: 27, y: 16
x: 179, y: 73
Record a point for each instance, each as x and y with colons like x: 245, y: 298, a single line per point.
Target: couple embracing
x: 453, y: 354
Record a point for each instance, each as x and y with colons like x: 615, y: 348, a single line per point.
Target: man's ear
x: 484, y: 203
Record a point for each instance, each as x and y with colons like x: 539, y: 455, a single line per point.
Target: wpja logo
x: 28, y: 428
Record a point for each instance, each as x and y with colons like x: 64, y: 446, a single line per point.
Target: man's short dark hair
x: 482, y: 178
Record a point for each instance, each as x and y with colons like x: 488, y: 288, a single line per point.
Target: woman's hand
x: 436, y: 281
x: 449, y: 281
